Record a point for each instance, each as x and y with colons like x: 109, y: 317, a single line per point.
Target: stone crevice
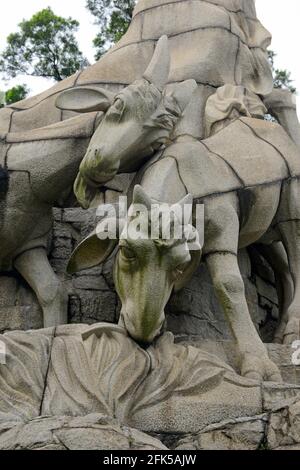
x: 47, y: 373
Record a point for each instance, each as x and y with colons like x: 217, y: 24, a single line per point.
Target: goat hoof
x: 260, y: 368
x: 292, y: 331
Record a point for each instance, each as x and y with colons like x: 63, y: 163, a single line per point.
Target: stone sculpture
x: 80, y: 387
x: 186, y: 120
x: 45, y: 161
x: 233, y: 44
x: 39, y: 170
x: 104, y: 371
x: 245, y: 203
x: 142, y: 115
x: 211, y: 22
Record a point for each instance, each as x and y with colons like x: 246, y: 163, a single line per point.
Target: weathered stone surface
x: 277, y: 396
x: 195, y: 311
x: 239, y: 434
x: 277, y: 430
x: 55, y: 401
x: 238, y: 172
x: 21, y: 397
x: 79, y: 127
x: 213, y: 407
x: 151, y: 21
x: 76, y: 370
x: 204, y: 22
x: 97, y: 306
x: 201, y: 15
x: 19, y: 309
x: 281, y: 355
x: 284, y: 427
x: 5, y: 120
x: 90, y: 432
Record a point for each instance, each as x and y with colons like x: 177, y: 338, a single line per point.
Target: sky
x: 280, y: 18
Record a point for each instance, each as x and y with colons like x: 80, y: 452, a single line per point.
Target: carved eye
x: 118, y: 104
x: 116, y: 110
x: 127, y: 253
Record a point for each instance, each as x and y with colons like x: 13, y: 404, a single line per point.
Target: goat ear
x: 195, y: 252
x: 91, y: 252
x: 182, y: 93
x: 85, y: 99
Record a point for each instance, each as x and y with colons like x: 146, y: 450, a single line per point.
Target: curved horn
x: 158, y: 70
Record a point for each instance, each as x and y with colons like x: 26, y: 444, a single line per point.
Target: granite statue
x: 179, y: 105
x: 246, y: 174
x: 143, y: 117
x: 44, y: 163
x: 37, y: 122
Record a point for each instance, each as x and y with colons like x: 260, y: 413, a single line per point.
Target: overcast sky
x: 280, y: 18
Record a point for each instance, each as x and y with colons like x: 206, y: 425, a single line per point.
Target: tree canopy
x: 113, y: 18
x: 44, y: 46
x: 17, y: 93
x: 11, y: 96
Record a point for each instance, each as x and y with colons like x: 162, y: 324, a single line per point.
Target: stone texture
x: 281, y: 355
x: 19, y: 309
x: 201, y: 16
x: 75, y: 370
x: 79, y: 127
x: 277, y: 396
x: 243, y: 434
x: 277, y: 431
x: 91, y: 432
x: 208, y: 406
x: 194, y: 311
x: 284, y: 427
x: 175, y: 19
x: 54, y: 402
x: 204, y: 22
x: 250, y: 172
x: 21, y: 397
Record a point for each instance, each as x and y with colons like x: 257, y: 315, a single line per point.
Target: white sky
x: 280, y: 18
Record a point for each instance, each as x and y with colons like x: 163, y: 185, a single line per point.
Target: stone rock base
x: 275, y: 430
x: 81, y: 387
x: 91, y: 432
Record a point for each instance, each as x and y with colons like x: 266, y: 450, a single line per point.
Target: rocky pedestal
x: 88, y: 384
x: 81, y: 387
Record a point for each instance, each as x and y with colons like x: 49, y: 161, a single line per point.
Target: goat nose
x: 95, y: 153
